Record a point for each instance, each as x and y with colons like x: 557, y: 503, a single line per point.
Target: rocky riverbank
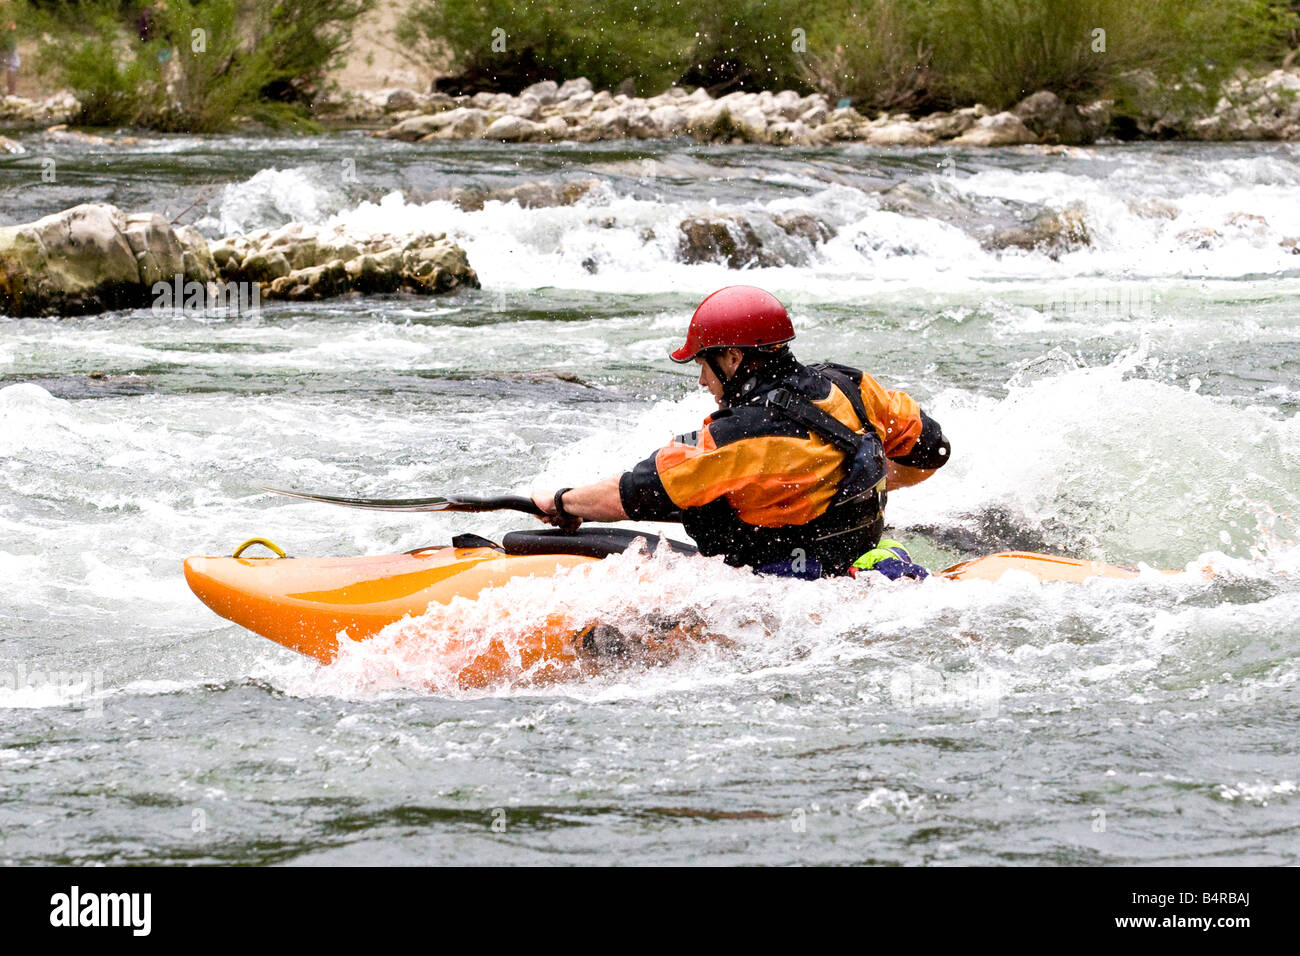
x: 94, y: 257
x: 1262, y: 107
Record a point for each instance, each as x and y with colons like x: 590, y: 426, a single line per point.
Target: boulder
x: 527, y: 107
x: 669, y: 121
x: 947, y: 125
x: 1201, y: 237
x: 545, y: 92
x: 898, y: 134
x: 751, y: 125
x: 1001, y: 129
x: 1050, y: 232
x: 512, y: 129
x: 92, y: 258
x: 804, y: 225
x: 723, y: 239
x: 401, y: 101
x: 464, y: 122
x: 534, y: 195
x: 158, y: 253
x: 303, y: 262
x: 1053, y: 120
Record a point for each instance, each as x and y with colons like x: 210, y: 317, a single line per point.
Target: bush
x: 874, y: 52
x: 742, y: 43
x: 207, y: 62
x: 1006, y: 49
x: 507, y: 44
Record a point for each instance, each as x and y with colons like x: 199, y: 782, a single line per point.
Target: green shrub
x: 874, y: 52
x: 209, y: 61
x: 999, y: 51
x: 603, y: 41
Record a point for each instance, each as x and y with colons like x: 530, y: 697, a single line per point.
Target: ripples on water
x: 1133, y: 400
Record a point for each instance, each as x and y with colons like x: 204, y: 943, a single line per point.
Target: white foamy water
x: 1131, y: 400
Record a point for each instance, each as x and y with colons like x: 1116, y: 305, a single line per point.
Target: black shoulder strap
x: 801, y: 410
x: 850, y: 389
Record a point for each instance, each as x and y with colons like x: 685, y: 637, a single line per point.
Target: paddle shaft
x: 470, y: 503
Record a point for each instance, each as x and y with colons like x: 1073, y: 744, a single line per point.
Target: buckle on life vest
x: 779, y: 397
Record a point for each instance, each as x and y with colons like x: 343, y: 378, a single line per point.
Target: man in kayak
x: 790, y: 475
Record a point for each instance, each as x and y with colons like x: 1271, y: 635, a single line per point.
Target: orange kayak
x: 311, y: 604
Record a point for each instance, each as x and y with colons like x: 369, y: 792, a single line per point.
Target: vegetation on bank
x: 199, y: 65
x: 192, y: 65
x: 917, y: 55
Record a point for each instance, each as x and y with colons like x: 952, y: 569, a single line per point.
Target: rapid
x: 1126, y: 393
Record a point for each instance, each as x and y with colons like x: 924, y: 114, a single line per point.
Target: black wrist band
x: 559, y: 504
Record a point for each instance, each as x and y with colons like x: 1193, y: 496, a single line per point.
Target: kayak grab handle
x: 264, y: 542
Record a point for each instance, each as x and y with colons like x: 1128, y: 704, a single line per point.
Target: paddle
x: 473, y: 503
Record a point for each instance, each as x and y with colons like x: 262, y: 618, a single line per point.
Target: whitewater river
x: 1133, y: 399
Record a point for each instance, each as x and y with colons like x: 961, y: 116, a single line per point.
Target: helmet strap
x: 711, y: 360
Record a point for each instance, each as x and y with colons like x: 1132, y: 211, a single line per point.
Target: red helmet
x: 739, y: 316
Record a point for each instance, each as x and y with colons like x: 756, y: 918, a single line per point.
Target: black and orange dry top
x: 753, y: 484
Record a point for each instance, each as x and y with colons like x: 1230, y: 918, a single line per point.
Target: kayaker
x: 790, y: 475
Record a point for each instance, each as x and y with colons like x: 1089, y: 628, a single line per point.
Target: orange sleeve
x: 769, y: 480
x: 895, y: 415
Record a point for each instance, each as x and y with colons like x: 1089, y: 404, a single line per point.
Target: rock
x: 1002, y: 129
x: 554, y: 129
x: 670, y: 121
x: 417, y: 127
x: 570, y: 88
x: 704, y: 120
x: 1202, y: 237
x: 641, y: 122
x: 378, y: 273
x: 527, y: 107
x: 58, y: 107
x: 608, y: 123
x: 315, y: 282
x: 512, y: 129
x: 462, y: 123
x: 436, y: 268
x: 92, y: 258
x: 1053, y: 233
x: 815, y: 114
x: 1291, y: 244
x: 1153, y: 209
x: 751, y: 124
x: 158, y: 252
x: 1248, y: 221
x: 401, y: 101
x: 723, y: 239
x: 788, y: 105
x: 783, y: 133
x: 302, y: 262
x: 947, y: 125
x: 803, y: 225
x: 196, y: 254
x: 264, y: 266
x: 545, y: 92
x: 536, y: 195
x: 1053, y: 120
x: 1096, y: 118
x: 898, y: 134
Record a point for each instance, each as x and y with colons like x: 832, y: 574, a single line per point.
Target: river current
x: 1130, y: 396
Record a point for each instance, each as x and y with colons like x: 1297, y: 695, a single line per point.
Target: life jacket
x: 853, y: 520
